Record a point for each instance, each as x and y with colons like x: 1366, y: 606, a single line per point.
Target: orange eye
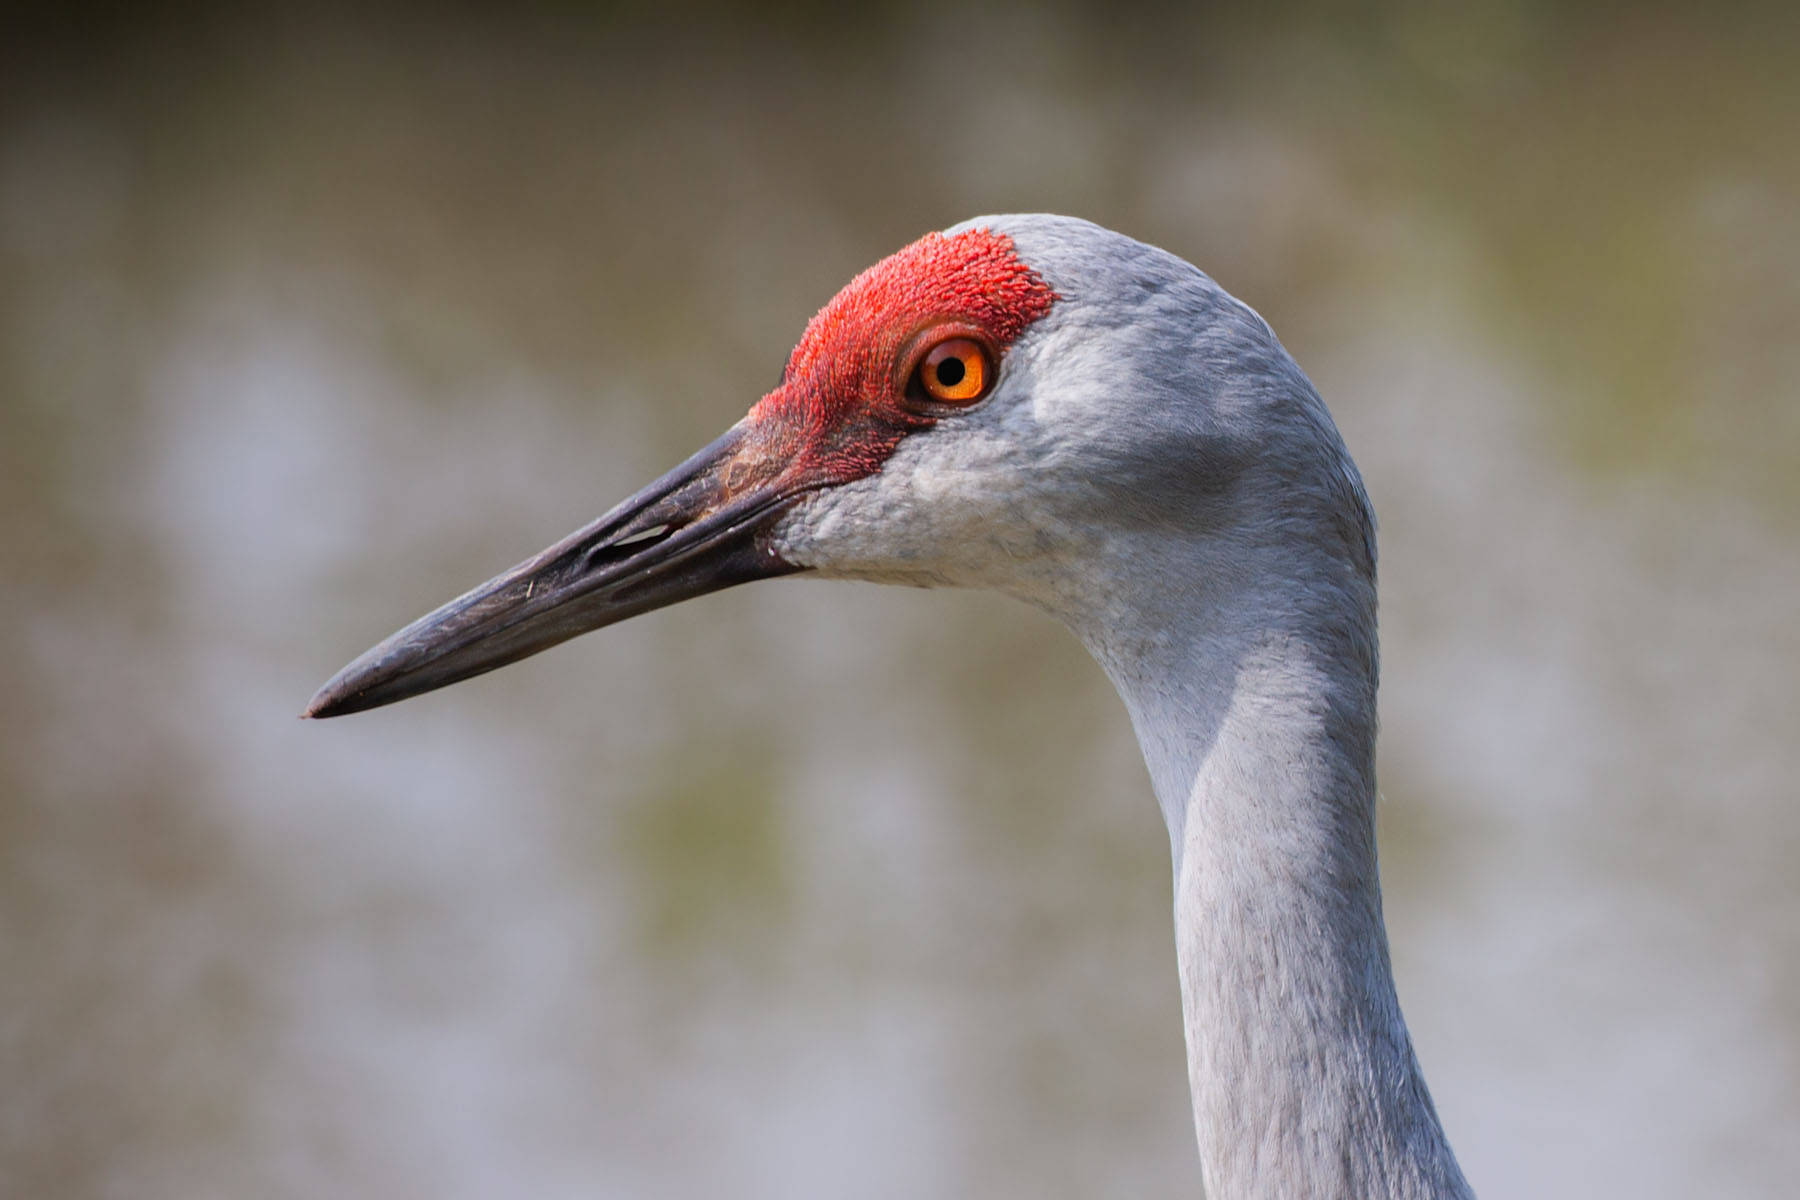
x: 956, y: 371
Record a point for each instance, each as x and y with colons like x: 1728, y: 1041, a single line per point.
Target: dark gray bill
x: 691, y: 532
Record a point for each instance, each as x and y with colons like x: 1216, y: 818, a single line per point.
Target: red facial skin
x: 841, y: 406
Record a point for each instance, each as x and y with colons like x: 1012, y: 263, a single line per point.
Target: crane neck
x: 1254, y: 702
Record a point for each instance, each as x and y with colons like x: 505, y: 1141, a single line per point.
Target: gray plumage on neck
x: 1155, y: 470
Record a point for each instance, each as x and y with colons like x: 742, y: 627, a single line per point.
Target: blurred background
x: 312, y: 317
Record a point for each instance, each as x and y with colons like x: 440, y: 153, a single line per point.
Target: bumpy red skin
x: 841, y: 408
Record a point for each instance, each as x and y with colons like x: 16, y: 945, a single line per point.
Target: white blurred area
x: 814, y: 889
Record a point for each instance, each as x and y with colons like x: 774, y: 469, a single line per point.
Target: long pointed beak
x: 696, y: 530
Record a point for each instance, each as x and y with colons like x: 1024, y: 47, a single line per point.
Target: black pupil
x: 950, y: 372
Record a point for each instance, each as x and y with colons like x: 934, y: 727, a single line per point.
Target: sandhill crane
x: 1041, y: 406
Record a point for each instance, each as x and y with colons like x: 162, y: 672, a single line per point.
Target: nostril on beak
x: 627, y: 545
x: 642, y: 535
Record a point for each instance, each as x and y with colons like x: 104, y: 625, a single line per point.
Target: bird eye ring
x: 956, y: 371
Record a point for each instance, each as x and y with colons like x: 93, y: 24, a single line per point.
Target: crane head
x: 983, y: 408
